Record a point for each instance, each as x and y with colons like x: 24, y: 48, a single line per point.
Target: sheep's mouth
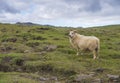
x: 70, y: 36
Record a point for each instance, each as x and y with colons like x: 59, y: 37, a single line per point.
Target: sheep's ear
x: 75, y: 31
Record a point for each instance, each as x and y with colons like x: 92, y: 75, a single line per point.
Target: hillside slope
x: 43, y: 53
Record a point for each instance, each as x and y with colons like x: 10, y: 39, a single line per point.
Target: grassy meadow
x: 37, y: 54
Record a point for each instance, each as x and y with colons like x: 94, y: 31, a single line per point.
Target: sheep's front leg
x: 77, y: 52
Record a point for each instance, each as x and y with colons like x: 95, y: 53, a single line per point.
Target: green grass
x: 14, y: 77
x: 22, y: 49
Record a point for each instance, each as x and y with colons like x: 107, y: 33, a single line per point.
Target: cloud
x: 86, y: 5
x: 5, y: 7
x: 113, y: 2
x: 61, y: 12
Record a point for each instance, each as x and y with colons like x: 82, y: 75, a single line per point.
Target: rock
x: 54, y: 78
x: 19, y: 62
x: 98, y: 80
x: 43, y: 79
x: 10, y: 40
x: 113, y: 78
x: 50, y: 47
x: 27, y: 51
x: 87, y: 78
x: 99, y: 70
x: 42, y: 52
x: 6, y: 59
x: 5, y: 67
x: 92, y: 73
x: 82, y: 78
x: 19, y: 70
x: 35, y: 78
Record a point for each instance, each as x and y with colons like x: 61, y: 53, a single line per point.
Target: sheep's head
x: 72, y: 33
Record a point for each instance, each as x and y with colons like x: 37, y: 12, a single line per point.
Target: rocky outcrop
x: 113, y: 78
x: 50, y: 47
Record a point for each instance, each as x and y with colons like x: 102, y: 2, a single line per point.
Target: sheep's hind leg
x: 95, y: 52
x: 94, y: 55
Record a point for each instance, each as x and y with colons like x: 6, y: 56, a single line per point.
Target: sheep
x: 84, y: 43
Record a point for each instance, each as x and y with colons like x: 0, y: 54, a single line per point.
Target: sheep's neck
x: 77, y: 37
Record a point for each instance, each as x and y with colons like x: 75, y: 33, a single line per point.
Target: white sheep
x: 84, y: 43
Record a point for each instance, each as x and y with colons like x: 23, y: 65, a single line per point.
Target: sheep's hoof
x: 94, y: 58
x: 77, y: 54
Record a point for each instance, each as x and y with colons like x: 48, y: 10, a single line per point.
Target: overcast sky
x: 73, y: 13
